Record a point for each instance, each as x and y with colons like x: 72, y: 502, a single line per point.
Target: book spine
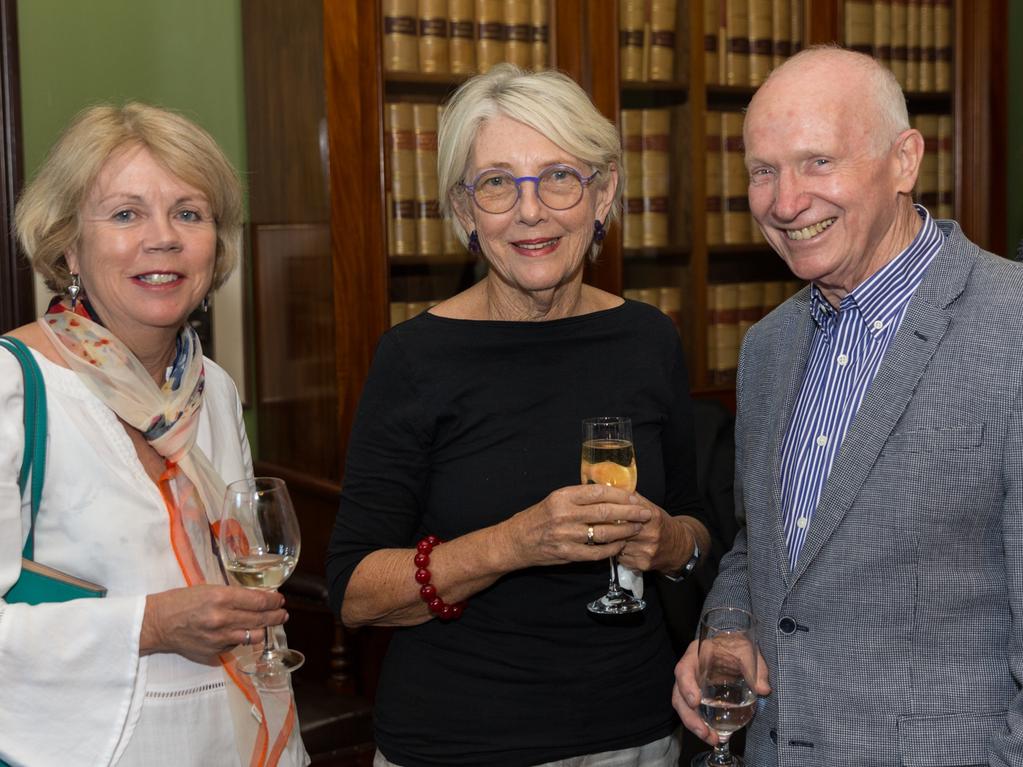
x: 490, y: 45
x: 796, y: 25
x: 714, y: 168
x: 946, y: 171
x: 518, y: 33
x: 669, y: 301
x: 926, y: 83
x: 399, y: 312
x: 631, y: 15
x: 399, y: 125
x: 749, y: 305
x: 859, y: 26
x: 734, y: 181
x: 433, y: 36
x: 761, y: 41
x: 429, y: 229
x: 912, y: 83
x: 781, y: 32
x: 711, y: 46
x: 539, y: 34
x: 927, y: 181
x: 632, y: 159
x: 723, y: 330
x: 401, y: 44
x: 662, y: 39
x: 656, y: 127
x: 899, y: 50
x: 882, y: 33
x: 942, y: 45
x: 461, y: 38
x: 737, y: 54
x: 773, y: 293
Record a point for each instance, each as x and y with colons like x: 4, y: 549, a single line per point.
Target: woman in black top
x: 468, y: 430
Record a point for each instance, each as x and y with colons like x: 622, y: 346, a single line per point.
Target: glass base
x: 611, y: 603
x: 278, y: 663
x: 706, y: 760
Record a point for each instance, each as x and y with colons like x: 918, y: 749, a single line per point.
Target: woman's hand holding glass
x: 201, y: 622
x: 259, y: 546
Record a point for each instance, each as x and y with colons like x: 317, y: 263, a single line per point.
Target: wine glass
x: 610, y: 459
x: 727, y: 654
x: 259, y: 546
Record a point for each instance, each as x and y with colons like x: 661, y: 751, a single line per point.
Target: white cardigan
x: 73, y: 689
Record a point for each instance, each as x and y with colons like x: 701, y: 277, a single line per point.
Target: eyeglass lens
x: 496, y: 191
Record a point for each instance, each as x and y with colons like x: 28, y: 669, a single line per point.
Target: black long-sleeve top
x: 461, y: 425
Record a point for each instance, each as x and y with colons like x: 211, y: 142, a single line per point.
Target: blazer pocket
x: 931, y: 440
x: 950, y: 740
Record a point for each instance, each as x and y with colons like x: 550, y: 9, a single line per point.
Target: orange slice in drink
x: 611, y: 473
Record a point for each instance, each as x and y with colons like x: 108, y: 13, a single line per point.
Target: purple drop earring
x: 474, y: 243
x: 599, y: 232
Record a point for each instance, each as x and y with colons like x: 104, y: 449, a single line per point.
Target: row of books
x: 667, y: 298
x: 911, y: 37
x: 646, y: 147
x: 414, y: 223
x: 743, y: 40
x: 728, y: 216
x: 646, y: 39
x: 732, y: 307
x: 406, y: 310
x: 464, y: 36
x: 935, y: 185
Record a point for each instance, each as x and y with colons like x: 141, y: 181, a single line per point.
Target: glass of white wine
x: 259, y: 545
x: 727, y: 654
x: 610, y: 459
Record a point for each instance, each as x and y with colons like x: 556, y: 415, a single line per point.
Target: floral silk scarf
x: 192, y: 490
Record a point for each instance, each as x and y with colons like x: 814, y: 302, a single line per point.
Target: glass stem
x: 721, y: 757
x: 269, y: 644
x: 615, y: 587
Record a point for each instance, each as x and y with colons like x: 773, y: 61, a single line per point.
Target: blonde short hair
x: 550, y: 103
x: 47, y: 217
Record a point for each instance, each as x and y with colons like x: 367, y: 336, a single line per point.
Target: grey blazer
x: 898, y: 637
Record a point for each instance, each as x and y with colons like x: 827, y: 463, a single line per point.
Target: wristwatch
x: 688, y: 567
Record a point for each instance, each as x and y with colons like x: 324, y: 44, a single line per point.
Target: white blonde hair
x: 550, y: 103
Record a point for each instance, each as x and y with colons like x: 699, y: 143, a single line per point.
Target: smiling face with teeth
x: 829, y: 191
x: 145, y: 253
x: 535, y: 253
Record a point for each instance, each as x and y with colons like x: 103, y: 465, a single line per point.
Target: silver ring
x: 248, y: 637
x: 589, y: 535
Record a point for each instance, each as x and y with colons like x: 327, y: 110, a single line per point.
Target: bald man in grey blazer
x: 879, y: 455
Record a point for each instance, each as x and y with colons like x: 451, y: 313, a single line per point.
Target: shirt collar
x: 882, y: 296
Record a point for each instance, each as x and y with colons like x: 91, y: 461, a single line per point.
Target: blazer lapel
x: 923, y: 326
x: 796, y: 335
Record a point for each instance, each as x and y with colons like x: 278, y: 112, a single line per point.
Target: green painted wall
x: 1015, y: 148
x: 182, y: 54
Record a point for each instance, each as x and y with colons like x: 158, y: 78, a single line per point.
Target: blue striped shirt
x: 845, y: 355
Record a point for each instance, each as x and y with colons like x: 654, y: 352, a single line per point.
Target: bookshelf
x: 326, y: 271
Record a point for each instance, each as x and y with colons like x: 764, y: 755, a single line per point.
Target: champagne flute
x: 727, y: 655
x: 259, y: 546
x: 610, y: 459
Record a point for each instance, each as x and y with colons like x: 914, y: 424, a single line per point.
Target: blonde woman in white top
x: 133, y: 219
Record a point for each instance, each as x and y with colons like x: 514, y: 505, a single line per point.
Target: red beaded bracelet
x: 427, y: 591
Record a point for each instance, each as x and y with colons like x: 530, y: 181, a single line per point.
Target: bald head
x: 868, y: 92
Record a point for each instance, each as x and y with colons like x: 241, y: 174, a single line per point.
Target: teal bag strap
x: 33, y: 462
